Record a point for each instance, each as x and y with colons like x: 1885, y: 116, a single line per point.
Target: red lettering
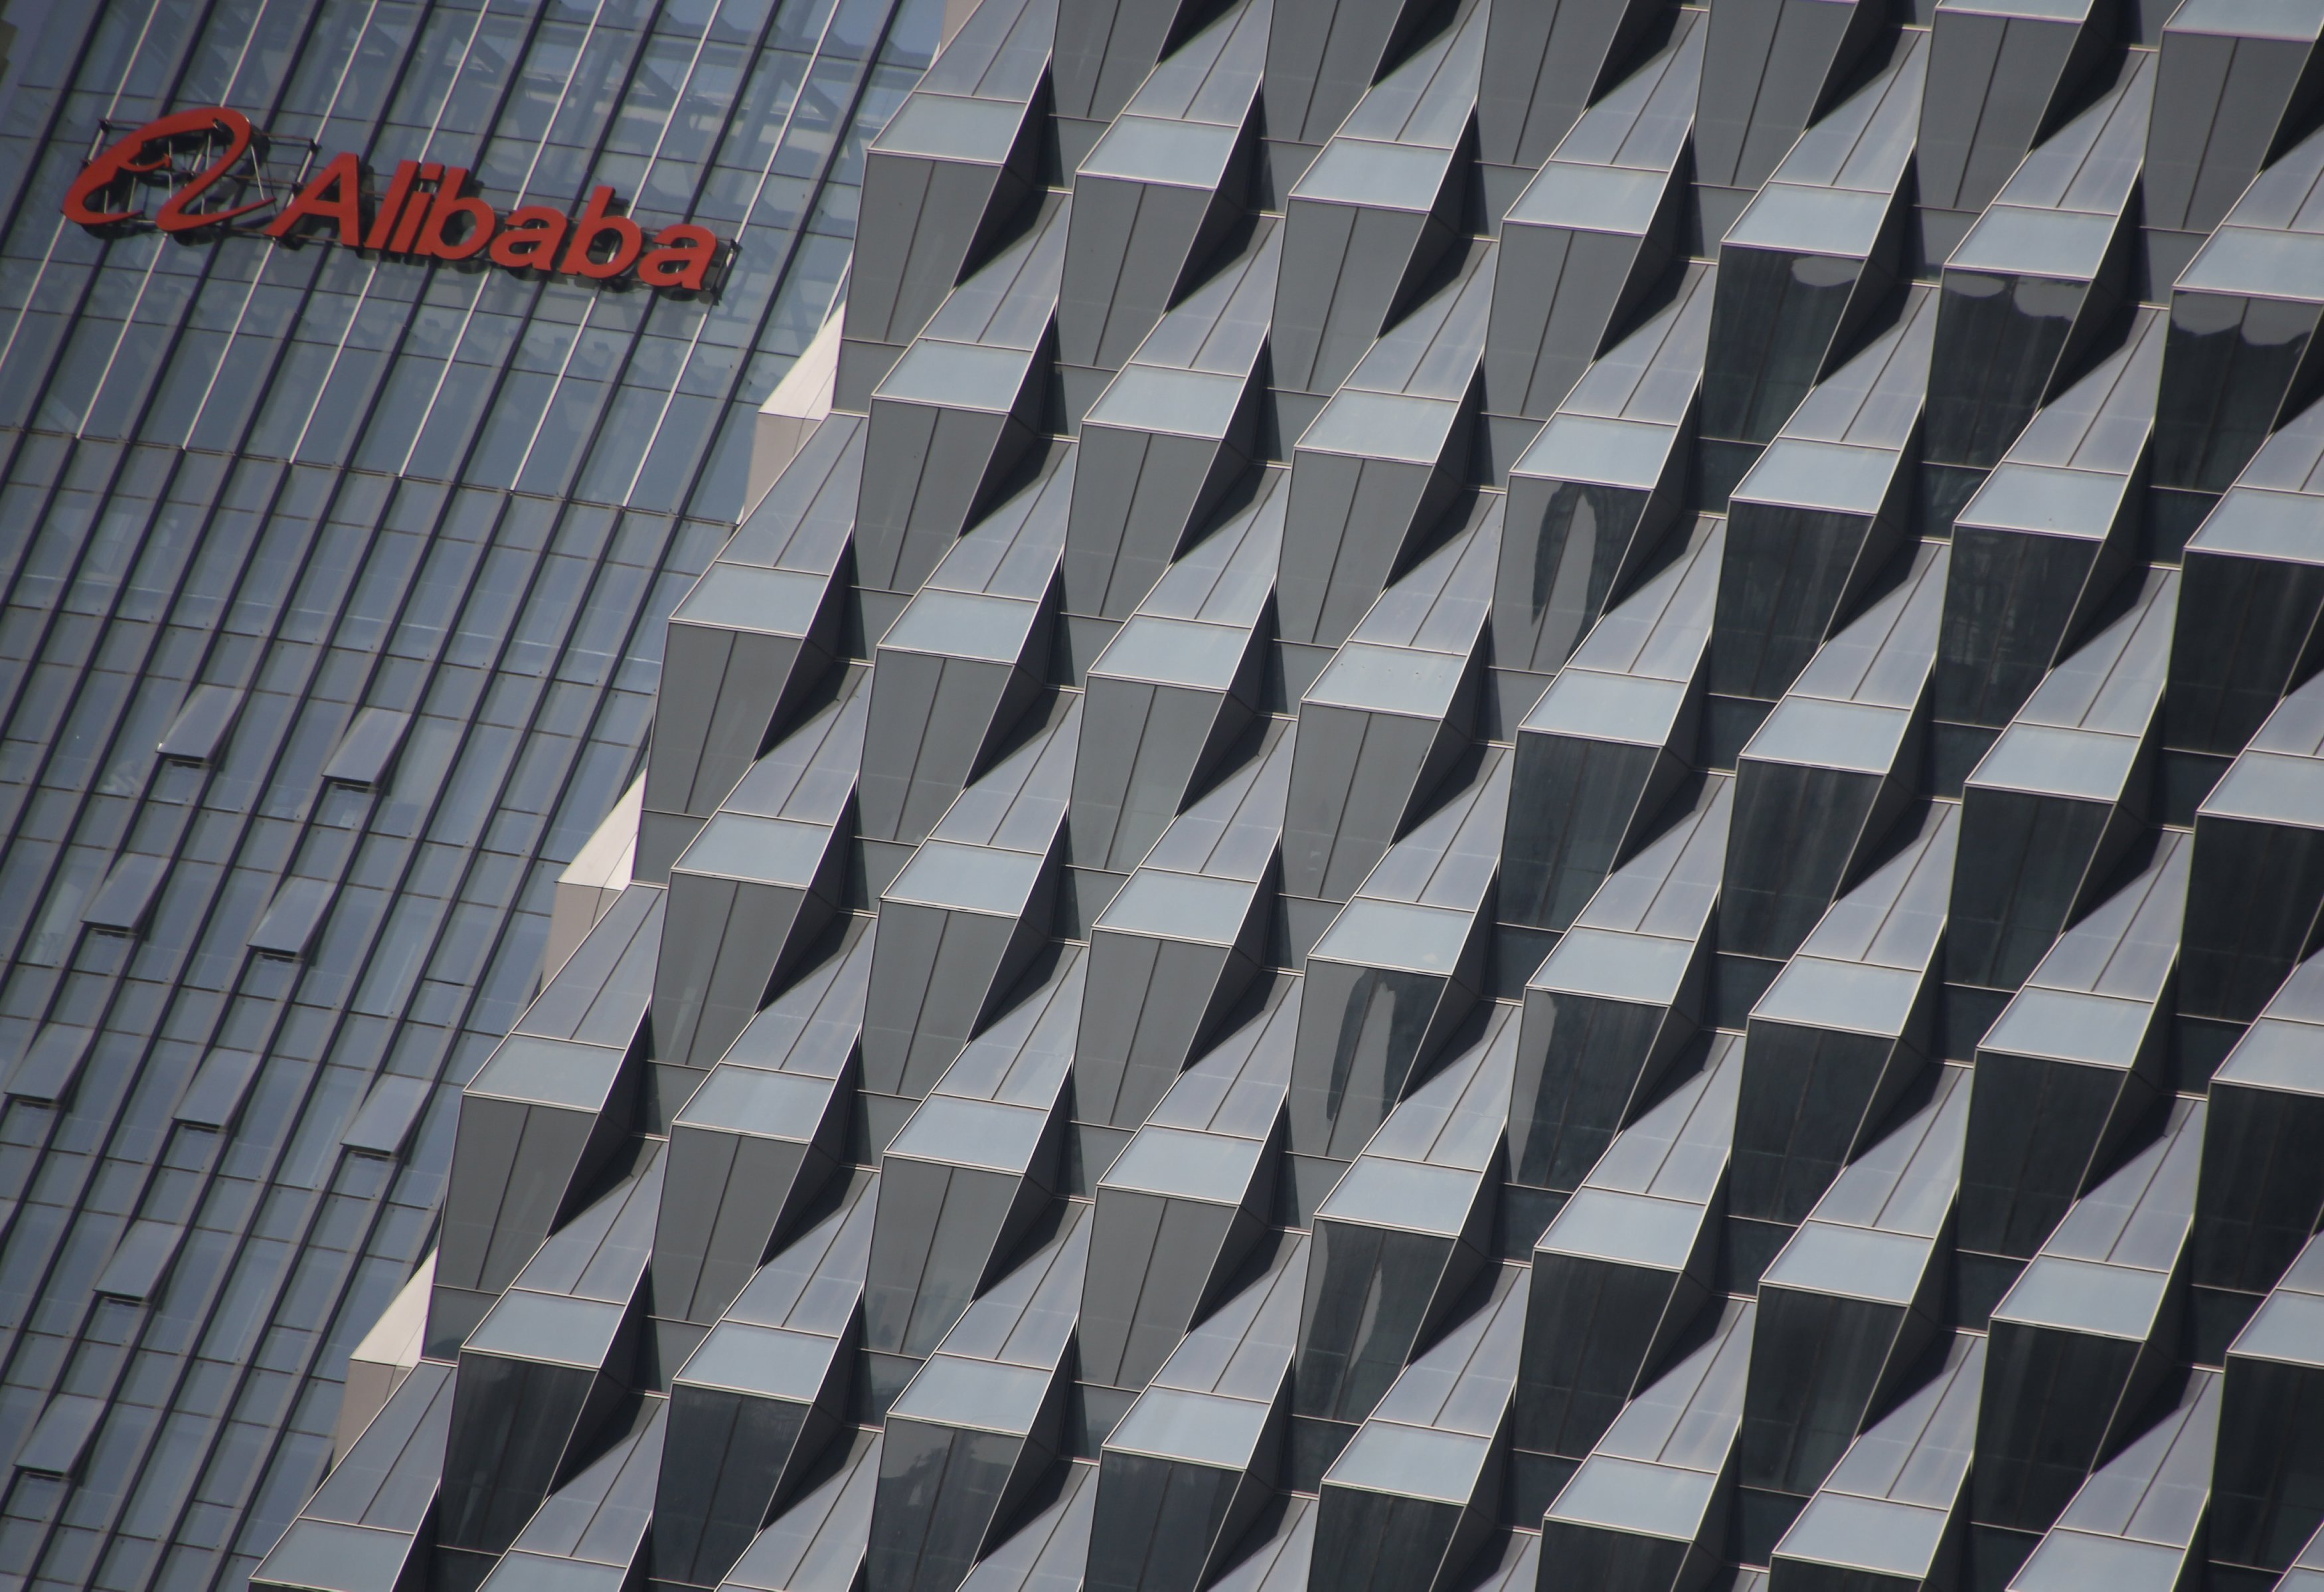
x: 335, y: 195
x: 398, y: 188
x: 527, y: 239
x: 426, y: 209
x: 415, y: 214
x: 595, y: 223
x: 451, y: 204
x: 149, y: 149
x: 681, y: 258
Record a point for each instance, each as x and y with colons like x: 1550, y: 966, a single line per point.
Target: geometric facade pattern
x: 1521, y: 795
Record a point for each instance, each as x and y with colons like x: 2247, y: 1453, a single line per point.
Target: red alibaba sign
x: 426, y: 211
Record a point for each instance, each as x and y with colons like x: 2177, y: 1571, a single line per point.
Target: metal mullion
x: 500, y: 380
x: 821, y: 185
x: 226, y: 1139
x: 694, y: 341
x: 693, y: 64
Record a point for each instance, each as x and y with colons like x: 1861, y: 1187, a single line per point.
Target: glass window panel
x: 2075, y: 1561
x: 974, y: 878
x: 2048, y: 243
x: 950, y: 1391
x: 1830, y: 734
x: 1818, y: 993
x: 1378, y: 1192
x: 1179, y: 906
x: 1810, y: 220
x: 1153, y: 398
x: 1643, y: 967
x: 776, y: 602
x: 2049, y: 761
x: 2272, y: 1055
x: 2250, y: 19
x: 953, y: 129
x: 555, y: 1072
x: 1359, y: 171
x: 1204, y: 1428
x: 2096, y: 1028
x: 2265, y: 524
x: 1597, y: 199
x: 1381, y: 425
x: 1390, y: 680
x: 2045, y: 498
x: 1150, y: 149
x: 773, y: 1361
x: 1636, y: 1229
x: 972, y: 1133
x: 1607, y: 452
x: 1391, y: 934
x: 528, y: 1326
x: 1825, y: 1257
x: 2288, y: 1326
x: 2084, y: 1296
x: 1626, y: 709
x: 771, y: 851
x: 1417, y: 1461
x: 2262, y: 264
x: 538, y: 1572
x: 1796, y: 473
x: 1865, y: 1533
x: 771, y: 1104
x: 957, y: 375
x: 963, y: 624
x: 329, y: 1557
x: 2272, y: 788
x: 1179, y: 651
x: 1661, y: 1500
x: 1186, y: 1165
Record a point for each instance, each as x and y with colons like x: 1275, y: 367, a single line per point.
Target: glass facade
x: 965, y: 795
x: 377, y: 551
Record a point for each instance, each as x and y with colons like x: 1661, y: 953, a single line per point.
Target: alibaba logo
x: 152, y: 150
x: 426, y: 211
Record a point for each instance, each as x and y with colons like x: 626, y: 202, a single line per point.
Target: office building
x: 1508, y: 795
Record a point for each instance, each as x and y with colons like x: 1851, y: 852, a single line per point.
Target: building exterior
x: 378, y: 550
x: 1493, y: 795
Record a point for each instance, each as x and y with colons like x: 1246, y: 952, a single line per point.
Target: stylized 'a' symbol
x: 149, y: 149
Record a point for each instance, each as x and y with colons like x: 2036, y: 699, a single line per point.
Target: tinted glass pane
x: 957, y: 375
x: 769, y: 1360
x: 771, y: 851
x: 1153, y: 398
x: 780, y: 602
x: 552, y: 1071
x: 528, y: 1326
x: 1149, y: 149
x: 975, y: 878
x: 950, y: 1391
x: 953, y: 128
x: 1202, y: 1427
x: 1178, y: 651
x: 1178, y: 906
x: 1389, y: 934
x: 1390, y: 680
x: 1197, y: 1166
x: 963, y: 624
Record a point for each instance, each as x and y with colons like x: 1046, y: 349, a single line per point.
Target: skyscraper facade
x: 1508, y: 795
x: 336, y: 579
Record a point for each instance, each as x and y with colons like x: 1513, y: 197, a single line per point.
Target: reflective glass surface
x: 780, y: 601
x: 973, y: 878
x: 1178, y: 651
x: 770, y: 851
